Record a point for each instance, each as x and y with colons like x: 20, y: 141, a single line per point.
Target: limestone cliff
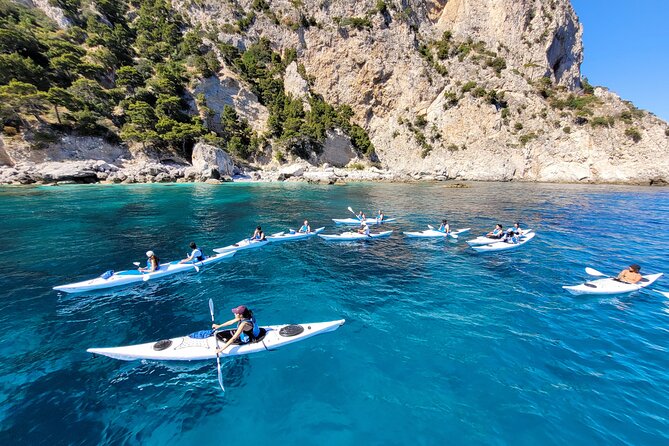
x: 489, y: 100
x: 462, y: 89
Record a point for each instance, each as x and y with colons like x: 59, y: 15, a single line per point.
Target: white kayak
x: 483, y: 240
x: 185, y: 348
x: 290, y: 236
x: 358, y: 222
x: 353, y: 236
x: 122, y: 278
x: 611, y: 286
x: 504, y: 246
x: 433, y: 233
x: 243, y: 244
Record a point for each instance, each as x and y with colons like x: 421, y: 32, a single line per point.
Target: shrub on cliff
x: 633, y: 133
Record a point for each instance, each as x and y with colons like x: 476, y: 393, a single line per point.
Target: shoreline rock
x: 213, y: 166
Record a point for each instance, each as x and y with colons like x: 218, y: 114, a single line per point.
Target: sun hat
x: 149, y: 253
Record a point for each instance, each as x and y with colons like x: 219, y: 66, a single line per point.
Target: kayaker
x: 380, y: 216
x: 305, y: 227
x: 258, y: 234
x: 364, y: 230
x: 630, y: 274
x: 152, y: 263
x: 444, y: 227
x: 517, y: 230
x: 361, y: 216
x: 498, y: 232
x: 195, y: 255
x: 247, y: 328
x: 509, y: 236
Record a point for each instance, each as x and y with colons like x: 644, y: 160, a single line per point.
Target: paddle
x: 594, y: 272
x: 218, y: 360
x: 351, y: 211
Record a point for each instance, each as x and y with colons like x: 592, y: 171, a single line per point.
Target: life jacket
x: 247, y: 335
x: 148, y: 262
x: 304, y: 228
x: 198, y: 258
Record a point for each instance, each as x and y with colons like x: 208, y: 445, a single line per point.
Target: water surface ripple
x: 441, y: 345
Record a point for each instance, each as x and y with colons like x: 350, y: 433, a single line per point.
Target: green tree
x: 60, y: 97
x: 21, y: 98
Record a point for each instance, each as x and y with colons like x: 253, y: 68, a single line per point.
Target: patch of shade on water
x: 441, y: 345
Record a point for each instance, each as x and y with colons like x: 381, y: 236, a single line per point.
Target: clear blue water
x: 441, y: 345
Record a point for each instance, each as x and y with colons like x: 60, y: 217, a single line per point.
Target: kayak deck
x: 185, y: 348
x: 128, y: 277
x: 611, y: 286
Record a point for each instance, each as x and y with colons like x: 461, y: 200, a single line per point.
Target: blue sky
x: 627, y: 49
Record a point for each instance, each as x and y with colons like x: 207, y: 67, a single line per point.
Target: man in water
x: 630, y: 275
x: 195, y: 255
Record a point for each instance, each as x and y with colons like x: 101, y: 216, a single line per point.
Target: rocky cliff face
x: 461, y: 89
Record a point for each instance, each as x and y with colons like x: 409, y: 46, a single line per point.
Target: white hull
x: 185, y: 348
x: 129, y: 277
x: 289, y: 237
x: 483, y: 240
x: 242, y: 245
x: 504, y: 246
x: 611, y: 286
x: 353, y: 236
x: 357, y: 222
x: 433, y: 233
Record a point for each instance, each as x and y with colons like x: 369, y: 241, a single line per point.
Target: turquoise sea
x: 441, y: 345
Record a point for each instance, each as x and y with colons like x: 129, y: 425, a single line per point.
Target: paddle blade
x: 146, y: 277
x: 350, y: 210
x: 197, y: 268
x: 453, y: 235
x: 211, y: 309
x: 220, y: 375
x: 430, y: 227
x: 136, y: 263
x: 593, y: 272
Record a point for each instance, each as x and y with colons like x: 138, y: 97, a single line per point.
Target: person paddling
x: 258, y: 235
x: 305, y: 227
x: 509, y: 237
x: 444, y: 227
x: 498, y: 232
x: 380, y: 216
x: 364, y: 230
x: 517, y: 230
x: 247, y: 328
x: 152, y: 263
x: 195, y: 255
x: 630, y: 274
x: 361, y: 216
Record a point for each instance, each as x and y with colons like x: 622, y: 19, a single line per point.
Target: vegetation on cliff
x: 123, y: 70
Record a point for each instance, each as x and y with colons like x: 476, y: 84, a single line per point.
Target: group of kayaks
x: 198, y: 347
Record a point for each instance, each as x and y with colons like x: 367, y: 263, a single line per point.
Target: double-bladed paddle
x: 218, y: 360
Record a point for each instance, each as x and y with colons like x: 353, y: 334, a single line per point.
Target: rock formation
x: 446, y: 89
